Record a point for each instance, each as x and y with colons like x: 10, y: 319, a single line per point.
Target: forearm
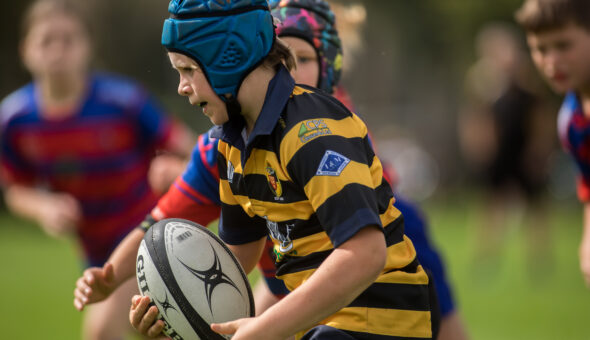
x: 25, y: 201
x: 354, y: 265
x: 123, y: 257
x: 248, y: 254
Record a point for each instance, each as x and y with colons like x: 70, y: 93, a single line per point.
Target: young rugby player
x: 76, y: 148
x: 558, y: 35
x: 192, y: 195
x: 327, y: 208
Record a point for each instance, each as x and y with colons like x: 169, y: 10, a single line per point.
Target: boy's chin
x: 560, y: 88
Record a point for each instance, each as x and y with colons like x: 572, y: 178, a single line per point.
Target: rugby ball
x: 193, y: 279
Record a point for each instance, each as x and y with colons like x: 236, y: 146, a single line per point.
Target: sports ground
x: 504, y: 299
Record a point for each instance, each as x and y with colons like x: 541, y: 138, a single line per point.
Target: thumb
x: 225, y: 328
x: 108, y: 273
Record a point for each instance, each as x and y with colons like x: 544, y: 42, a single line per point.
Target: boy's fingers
x: 78, y: 305
x: 156, y: 329
x: 147, y: 324
x: 83, y: 286
x: 80, y: 296
x: 108, y: 272
x: 138, y: 312
x: 225, y: 328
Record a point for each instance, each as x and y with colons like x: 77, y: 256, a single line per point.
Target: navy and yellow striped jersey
x: 307, y: 176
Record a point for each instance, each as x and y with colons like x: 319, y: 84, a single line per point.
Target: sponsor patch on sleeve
x: 313, y: 128
x: 332, y: 164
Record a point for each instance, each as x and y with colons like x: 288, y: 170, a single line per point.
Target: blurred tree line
x: 406, y: 81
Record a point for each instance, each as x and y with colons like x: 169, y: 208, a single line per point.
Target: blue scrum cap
x: 227, y: 38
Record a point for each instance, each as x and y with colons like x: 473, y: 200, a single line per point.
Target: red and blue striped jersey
x: 574, y: 133
x: 100, y: 154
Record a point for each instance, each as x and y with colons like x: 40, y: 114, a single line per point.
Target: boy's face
x: 194, y: 85
x: 56, y: 46
x: 308, y: 66
x: 562, y: 55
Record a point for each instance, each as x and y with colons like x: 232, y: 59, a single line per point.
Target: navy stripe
x: 348, y: 202
x: 369, y: 336
x: 394, y: 296
x: 236, y: 227
x: 384, y: 194
x: 394, y: 231
x: 258, y: 188
x: 316, y: 105
x: 292, y: 264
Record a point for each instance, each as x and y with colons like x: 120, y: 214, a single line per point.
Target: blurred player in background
x: 76, y: 148
x: 558, y: 35
x: 506, y: 138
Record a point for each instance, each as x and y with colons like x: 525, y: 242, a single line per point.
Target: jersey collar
x: 279, y: 90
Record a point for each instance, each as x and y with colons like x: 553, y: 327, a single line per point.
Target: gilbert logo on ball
x: 193, y: 279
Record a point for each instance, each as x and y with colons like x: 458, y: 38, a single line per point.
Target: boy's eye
x: 304, y: 60
x: 562, y: 45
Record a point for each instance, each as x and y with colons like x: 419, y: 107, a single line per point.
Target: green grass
x: 514, y: 295
x: 508, y: 297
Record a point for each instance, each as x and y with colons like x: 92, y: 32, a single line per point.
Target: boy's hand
x: 58, y: 214
x: 143, y: 317
x: 96, y: 284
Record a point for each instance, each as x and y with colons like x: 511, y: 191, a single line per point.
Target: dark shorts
x: 323, y: 332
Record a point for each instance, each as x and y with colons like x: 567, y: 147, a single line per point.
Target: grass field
x: 505, y: 299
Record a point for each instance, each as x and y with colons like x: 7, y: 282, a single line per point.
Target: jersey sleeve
x: 338, y: 172
x: 564, y: 118
x: 13, y: 166
x: 236, y: 225
x: 194, y: 195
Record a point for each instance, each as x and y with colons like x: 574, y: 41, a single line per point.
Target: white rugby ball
x: 193, y: 279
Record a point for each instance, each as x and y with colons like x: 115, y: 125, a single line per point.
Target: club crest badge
x: 273, y: 181
x: 332, y: 164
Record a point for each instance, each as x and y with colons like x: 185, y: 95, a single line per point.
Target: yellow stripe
x: 227, y: 197
x: 400, y: 254
x: 390, y: 215
x: 389, y: 322
x: 259, y: 159
x: 279, y: 212
x: 320, y: 188
x: 299, y: 90
x: 294, y: 280
x: 308, y: 245
x: 349, y: 127
x: 377, y: 171
x: 418, y: 278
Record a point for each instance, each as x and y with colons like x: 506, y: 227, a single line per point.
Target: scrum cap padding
x: 228, y: 39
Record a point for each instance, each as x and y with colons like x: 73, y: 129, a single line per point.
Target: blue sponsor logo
x: 332, y: 164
